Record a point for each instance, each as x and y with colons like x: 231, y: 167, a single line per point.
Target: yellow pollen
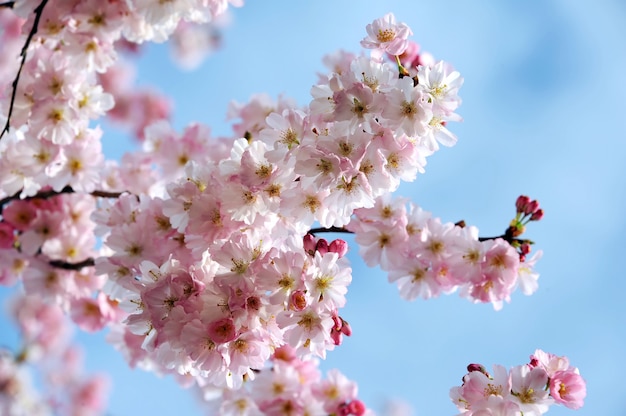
x: 91, y: 46
x: 248, y: 197
x: 383, y: 240
x: 239, y: 266
x: 393, y: 161
x: 358, y: 108
x: 366, y: 167
x: 273, y: 190
x: 409, y: 109
x: 134, y: 250
x: 345, y: 148
x: 312, y: 203
x: 418, y: 274
x: 372, y: 82
x: 436, y: 247
x: 97, y: 20
x: 492, y: 390
x: 241, y: 346
x: 439, y: 91
x: 324, y: 166
x: 323, y: 283
x: 183, y: 159
x: 264, y: 171
x: 386, y: 35
x: 289, y: 138
x: 56, y: 116
x: 55, y: 86
x: 286, y: 282
x: 42, y: 157
x: 499, y: 261
x: 349, y: 187
x: 75, y: 166
x: 472, y: 256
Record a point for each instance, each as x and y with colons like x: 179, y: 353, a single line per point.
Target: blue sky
x: 543, y: 116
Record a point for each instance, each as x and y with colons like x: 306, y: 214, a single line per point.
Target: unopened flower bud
x: 521, y: 203
x: 322, y: 246
x: 357, y: 407
x: 537, y: 215
x: 477, y: 367
x: 345, y: 328
x: 338, y: 323
x: 338, y: 246
x: 297, y: 300
x: 531, y: 207
x: 309, y: 244
x: 525, y: 248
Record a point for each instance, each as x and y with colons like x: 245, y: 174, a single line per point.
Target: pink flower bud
x: 309, y: 244
x: 335, y: 336
x: 338, y: 246
x: 345, y: 328
x: 357, y: 407
x: 477, y: 367
x: 222, y: 331
x: 521, y: 203
x: 537, y: 215
x: 322, y: 246
x: 531, y: 207
x: 525, y: 248
x: 298, y: 300
x: 338, y: 323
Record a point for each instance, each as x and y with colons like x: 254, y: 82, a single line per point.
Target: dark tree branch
x: 7, y: 4
x: 38, y: 12
x: 59, y: 264
x: 51, y: 193
x: 329, y: 230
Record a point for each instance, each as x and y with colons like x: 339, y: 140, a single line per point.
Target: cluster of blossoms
x: 209, y: 268
x: 52, y: 144
x: 291, y: 386
x: 46, y: 351
x: 426, y: 257
x: 218, y: 271
x: 527, y: 390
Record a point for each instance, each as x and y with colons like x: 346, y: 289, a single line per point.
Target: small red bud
x: 531, y: 207
x: 309, y: 244
x: 298, y: 300
x: 521, y: 203
x: 477, y: 367
x: 322, y: 246
x: 345, y: 328
x: 338, y: 246
x: 537, y: 215
x: 357, y: 407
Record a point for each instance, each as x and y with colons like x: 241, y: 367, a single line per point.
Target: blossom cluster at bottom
x: 290, y: 387
x: 527, y: 390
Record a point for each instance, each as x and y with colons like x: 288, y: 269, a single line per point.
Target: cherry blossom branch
x: 329, y: 230
x: 8, y: 4
x: 50, y: 193
x: 38, y: 12
x: 59, y: 264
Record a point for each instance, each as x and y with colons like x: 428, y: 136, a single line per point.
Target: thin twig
x: 329, y: 230
x: 59, y: 264
x: 7, y: 4
x: 38, y: 12
x: 51, y: 193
